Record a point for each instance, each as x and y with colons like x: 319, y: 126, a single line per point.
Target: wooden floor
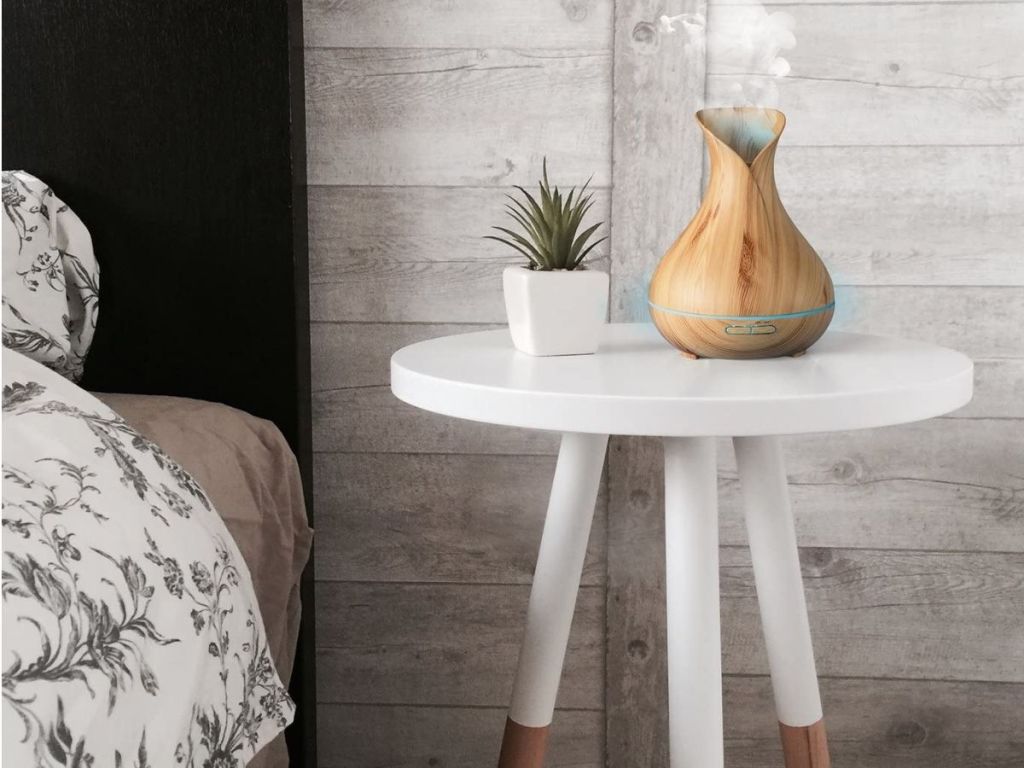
x: 902, y: 163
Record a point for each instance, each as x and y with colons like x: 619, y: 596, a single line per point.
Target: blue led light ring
x: 748, y: 318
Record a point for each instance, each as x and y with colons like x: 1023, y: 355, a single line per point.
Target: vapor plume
x: 744, y: 46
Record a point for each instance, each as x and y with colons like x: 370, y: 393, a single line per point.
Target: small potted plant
x: 555, y: 305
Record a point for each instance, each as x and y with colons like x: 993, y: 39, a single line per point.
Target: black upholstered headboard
x: 175, y: 130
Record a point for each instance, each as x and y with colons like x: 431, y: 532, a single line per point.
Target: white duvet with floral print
x: 51, y: 278
x: 131, y: 634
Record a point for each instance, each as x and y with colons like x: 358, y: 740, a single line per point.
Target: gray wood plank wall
x: 903, y: 162
x: 421, y: 115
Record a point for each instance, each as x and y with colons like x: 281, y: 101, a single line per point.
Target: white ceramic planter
x: 555, y: 313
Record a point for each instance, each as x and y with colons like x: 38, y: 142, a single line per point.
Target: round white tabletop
x: 637, y: 384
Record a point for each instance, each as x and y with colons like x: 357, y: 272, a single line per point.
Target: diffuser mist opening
x: 745, y: 130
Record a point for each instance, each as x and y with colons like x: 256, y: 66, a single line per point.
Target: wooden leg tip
x: 688, y: 355
x: 523, y: 746
x: 805, y: 746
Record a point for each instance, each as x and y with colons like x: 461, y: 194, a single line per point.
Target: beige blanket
x: 248, y: 471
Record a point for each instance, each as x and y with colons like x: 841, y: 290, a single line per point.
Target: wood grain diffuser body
x: 741, y: 281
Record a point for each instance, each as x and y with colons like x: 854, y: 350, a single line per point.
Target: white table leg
x: 691, y: 585
x: 780, y: 594
x: 556, y: 582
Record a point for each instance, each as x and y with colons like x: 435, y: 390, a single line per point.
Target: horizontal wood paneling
x: 359, y: 736
x: 874, y: 613
x: 372, y: 227
x: 973, y: 320
x: 458, y: 24
x: 369, y: 419
x: 922, y: 615
x: 998, y: 390
x: 896, y: 73
x: 348, y: 355
x: 428, y: 116
x: 402, y: 260
x: 372, y: 420
x: 470, y: 292
x: 886, y: 723
x: 433, y: 292
x: 400, y: 253
x: 872, y: 724
x: 423, y: 292
x: 944, y: 484
x: 428, y: 518
x: 928, y: 231
x: 443, y: 644
x: 378, y: 234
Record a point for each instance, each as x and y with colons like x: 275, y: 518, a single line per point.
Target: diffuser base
x: 737, y: 338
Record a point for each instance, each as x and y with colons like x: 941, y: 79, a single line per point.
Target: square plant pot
x: 559, y: 312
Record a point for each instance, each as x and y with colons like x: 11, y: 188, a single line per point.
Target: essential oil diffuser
x: 741, y: 281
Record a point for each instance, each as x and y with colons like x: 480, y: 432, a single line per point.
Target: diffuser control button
x: 750, y: 329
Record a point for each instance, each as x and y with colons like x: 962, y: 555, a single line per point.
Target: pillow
x: 50, y: 277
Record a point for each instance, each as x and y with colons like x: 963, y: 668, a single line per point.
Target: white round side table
x: 637, y: 384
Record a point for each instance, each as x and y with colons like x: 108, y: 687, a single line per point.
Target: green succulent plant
x: 549, y: 228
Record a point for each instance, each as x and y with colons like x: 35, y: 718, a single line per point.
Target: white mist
x: 744, y: 45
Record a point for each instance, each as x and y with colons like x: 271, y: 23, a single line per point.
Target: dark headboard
x: 175, y: 129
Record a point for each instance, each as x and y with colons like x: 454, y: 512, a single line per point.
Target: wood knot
x: 907, y: 733
x: 638, y: 649
x: 817, y: 559
x: 645, y: 33
x: 639, y: 498
x: 847, y: 471
x: 575, y: 10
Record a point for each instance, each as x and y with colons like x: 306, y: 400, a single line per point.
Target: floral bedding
x: 131, y: 633
x: 50, y: 277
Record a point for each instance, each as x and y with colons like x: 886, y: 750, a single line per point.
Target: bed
x: 175, y: 131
